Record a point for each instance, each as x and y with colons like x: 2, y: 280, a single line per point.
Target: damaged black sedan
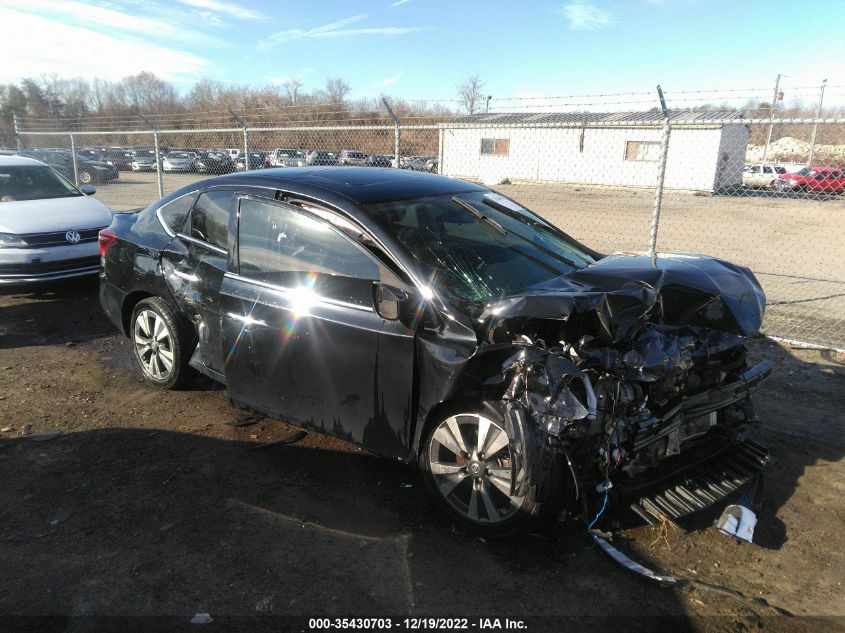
x: 433, y: 320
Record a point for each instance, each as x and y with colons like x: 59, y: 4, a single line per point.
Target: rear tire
x: 162, y: 344
x: 471, y: 482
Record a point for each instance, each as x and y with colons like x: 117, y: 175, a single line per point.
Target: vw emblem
x: 73, y: 237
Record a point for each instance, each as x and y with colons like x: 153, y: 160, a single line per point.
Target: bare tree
x: 470, y: 93
x: 336, y: 89
x: 291, y: 87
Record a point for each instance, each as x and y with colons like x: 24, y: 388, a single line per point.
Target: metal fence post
x: 816, y: 124
x: 17, y: 132
x: 661, y: 176
x: 73, y: 156
x: 246, y: 138
x: 396, y: 132
x: 159, y: 174
x: 772, y: 124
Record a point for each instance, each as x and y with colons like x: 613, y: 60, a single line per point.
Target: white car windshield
x: 33, y: 182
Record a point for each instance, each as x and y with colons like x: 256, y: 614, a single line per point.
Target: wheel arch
x: 129, y: 303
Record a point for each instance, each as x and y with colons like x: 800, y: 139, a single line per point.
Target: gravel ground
x: 122, y: 500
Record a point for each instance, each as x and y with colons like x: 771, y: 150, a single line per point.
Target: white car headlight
x: 10, y: 240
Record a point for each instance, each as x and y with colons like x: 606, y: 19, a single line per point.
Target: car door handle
x: 247, y: 320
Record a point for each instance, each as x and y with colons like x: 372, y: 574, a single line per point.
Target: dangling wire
x: 600, y: 512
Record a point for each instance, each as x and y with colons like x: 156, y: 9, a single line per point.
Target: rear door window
x: 210, y: 217
x: 173, y: 213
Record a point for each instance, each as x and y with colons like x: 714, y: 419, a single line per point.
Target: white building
x: 706, y: 148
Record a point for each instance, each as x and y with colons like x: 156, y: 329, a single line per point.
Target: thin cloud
x: 399, y: 2
x: 335, y: 29
x: 390, y: 80
x: 231, y: 10
x: 89, y: 16
x: 583, y: 16
x: 68, y: 49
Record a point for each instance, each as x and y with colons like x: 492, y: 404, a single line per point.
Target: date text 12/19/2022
x: 417, y: 624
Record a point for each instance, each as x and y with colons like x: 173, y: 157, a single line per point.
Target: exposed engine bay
x: 623, y: 379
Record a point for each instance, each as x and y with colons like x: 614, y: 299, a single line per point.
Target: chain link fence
x: 764, y: 193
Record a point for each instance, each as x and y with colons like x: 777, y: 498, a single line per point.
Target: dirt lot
x: 149, y: 503
x: 792, y: 242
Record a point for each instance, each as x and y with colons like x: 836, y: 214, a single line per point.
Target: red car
x: 815, y: 179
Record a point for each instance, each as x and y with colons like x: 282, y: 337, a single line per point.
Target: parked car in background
x: 792, y: 168
x: 432, y: 165
x: 144, y: 160
x: 378, y: 160
x: 91, y: 153
x: 415, y: 163
x: 520, y: 369
x: 88, y: 171
x: 217, y: 163
x: 121, y: 159
x: 179, y: 161
x: 352, y: 157
x: 257, y: 160
x: 48, y: 227
x: 321, y: 157
x: 762, y: 176
x: 287, y: 157
x: 813, y: 180
x: 234, y: 153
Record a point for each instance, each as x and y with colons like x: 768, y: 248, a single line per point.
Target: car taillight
x: 105, y: 239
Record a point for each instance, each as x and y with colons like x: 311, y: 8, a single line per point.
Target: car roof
x: 6, y: 161
x: 359, y: 184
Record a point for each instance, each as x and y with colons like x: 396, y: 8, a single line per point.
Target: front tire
x: 467, y: 460
x: 85, y: 177
x: 161, y: 343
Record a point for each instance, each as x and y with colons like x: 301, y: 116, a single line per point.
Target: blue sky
x: 421, y: 48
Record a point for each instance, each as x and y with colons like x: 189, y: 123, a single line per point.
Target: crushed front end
x: 637, y: 378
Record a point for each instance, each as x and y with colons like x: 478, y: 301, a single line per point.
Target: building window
x: 495, y: 146
x: 642, y: 150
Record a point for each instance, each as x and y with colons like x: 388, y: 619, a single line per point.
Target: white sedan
x: 48, y: 228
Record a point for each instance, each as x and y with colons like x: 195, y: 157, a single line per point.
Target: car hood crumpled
x: 620, y: 293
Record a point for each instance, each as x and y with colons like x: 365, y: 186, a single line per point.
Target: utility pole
x: 487, y: 107
x: 816, y: 124
x: 775, y: 99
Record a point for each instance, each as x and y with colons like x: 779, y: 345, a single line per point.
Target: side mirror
x: 387, y: 301
x: 88, y: 190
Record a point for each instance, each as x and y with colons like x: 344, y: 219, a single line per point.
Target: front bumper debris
x: 739, y: 520
x: 701, y: 484
x: 632, y: 565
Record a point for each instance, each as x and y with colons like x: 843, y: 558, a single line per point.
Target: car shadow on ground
x: 66, y: 311
x: 154, y: 522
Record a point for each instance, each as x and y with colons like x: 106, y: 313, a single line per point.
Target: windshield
x: 289, y: 153
x: 805, y: 172
x: 178, y: 155
x: 475, y: 251
x: 144, y: 153
x: 25, y: 182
